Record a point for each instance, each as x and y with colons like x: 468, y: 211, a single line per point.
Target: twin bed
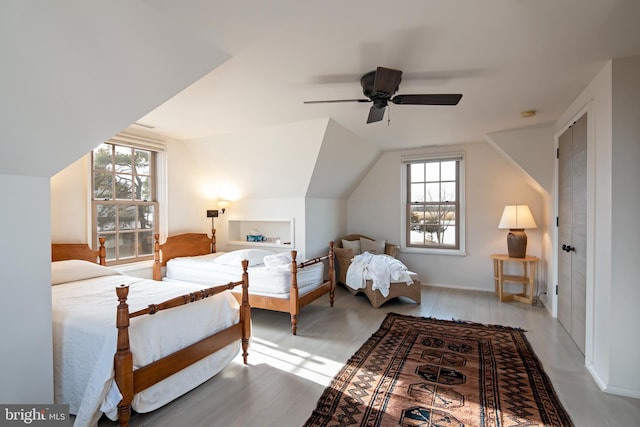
x: 278, y: 281
x: 164, y: 345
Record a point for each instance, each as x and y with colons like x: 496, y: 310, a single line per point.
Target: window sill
x: 133, y: 266
x: 423, y: 251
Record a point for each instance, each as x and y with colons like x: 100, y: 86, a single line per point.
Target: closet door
x: 572, y: 230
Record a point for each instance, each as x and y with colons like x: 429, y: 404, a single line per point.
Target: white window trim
x: 461, y: 251
x: 162, y: 180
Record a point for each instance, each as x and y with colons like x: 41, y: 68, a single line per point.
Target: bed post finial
x: 102, y: 251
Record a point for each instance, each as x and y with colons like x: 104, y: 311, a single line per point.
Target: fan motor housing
x: 367, y: 81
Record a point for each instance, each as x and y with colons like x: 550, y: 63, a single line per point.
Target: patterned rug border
x: 330, y: 392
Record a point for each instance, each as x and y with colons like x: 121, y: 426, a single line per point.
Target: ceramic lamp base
x: 517, y: 243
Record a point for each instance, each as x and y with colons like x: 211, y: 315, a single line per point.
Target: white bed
x: 278, y: 281
x: 84, y: 306
x: 272, y: 280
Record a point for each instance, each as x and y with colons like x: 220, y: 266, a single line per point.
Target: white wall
x: 25, y: 318
x: 270, y: 162
x: 189, y: 194
x: 326, y: 221
x: 70, y: 197
x: 625, y: 292
x: 532, y: 150
x: 375, y: 209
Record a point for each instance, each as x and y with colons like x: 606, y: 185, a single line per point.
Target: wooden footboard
x: 131, y: 382
x: 295, y: 303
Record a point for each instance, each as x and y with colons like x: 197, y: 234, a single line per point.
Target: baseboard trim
x: 619, y: 391
x: 462, y: 288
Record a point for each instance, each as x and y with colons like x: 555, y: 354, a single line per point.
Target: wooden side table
x: 527, y: 279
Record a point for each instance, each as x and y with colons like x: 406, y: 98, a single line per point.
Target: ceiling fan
x: 380, y: 86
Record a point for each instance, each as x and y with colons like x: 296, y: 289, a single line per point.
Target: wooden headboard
x: 187, y: 244
x: 66, y: 251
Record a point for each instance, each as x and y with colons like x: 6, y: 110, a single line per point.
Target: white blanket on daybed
x: 85, y: 336
x: 382, y: 270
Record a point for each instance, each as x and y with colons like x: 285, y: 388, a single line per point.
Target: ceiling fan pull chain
x: 388, y: 116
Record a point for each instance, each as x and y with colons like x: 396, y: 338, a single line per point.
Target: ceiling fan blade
x: 429, y: 99
x: 375, y: 114
x: 337, y: 100
x: 387, y: 80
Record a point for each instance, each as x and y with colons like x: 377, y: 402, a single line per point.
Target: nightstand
x: 527, y: 279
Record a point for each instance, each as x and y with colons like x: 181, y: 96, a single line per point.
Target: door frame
x: 590, y: 250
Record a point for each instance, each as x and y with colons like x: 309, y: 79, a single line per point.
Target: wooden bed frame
x: 194, y: 244
x: 132, y: 381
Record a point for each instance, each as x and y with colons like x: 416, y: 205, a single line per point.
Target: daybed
x: 344, y: 256
x: 111, y: 359
x: 282, y: 285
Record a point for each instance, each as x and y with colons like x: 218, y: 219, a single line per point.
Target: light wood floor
x: 286, y: 374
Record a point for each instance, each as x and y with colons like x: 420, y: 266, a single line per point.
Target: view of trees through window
x: 433, y: 204
x: 124, y: 206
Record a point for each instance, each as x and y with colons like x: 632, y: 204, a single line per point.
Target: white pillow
x: 354, y: 245
x: 372, y: 246
x: 234, y: 258
x: 278, y: 260
x: 74, y: 269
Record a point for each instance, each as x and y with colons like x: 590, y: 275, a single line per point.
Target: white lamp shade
x: 223, y: 204
x: 517, y: 217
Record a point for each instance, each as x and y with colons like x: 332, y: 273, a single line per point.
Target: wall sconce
x: 223, y: 205
x: 214, y: 213
x: 516, y: 218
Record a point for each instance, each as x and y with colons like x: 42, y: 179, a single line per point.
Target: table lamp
x: 516, y: 218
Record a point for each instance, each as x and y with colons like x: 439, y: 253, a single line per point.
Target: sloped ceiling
x: 75, y: 73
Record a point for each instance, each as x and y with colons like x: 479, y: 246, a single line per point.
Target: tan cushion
x: 372, y: 246
x: 354, y: 245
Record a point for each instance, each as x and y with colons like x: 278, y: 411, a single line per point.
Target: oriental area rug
x: 426, y: 372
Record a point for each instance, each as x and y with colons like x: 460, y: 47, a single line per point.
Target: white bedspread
x: 382, y: 270
x: 273, y: 280
x: 85, y: 335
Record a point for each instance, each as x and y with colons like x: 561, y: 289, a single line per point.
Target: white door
x: 572, y: 230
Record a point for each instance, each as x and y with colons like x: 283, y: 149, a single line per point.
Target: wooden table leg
x: 495, y: 275
x: 500, y: 279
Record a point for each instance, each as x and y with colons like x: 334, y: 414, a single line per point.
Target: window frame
x: 157, y: 193
x: 406, y: 204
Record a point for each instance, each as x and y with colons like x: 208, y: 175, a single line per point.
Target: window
x: 433, y: 203
x: 124, y: 201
